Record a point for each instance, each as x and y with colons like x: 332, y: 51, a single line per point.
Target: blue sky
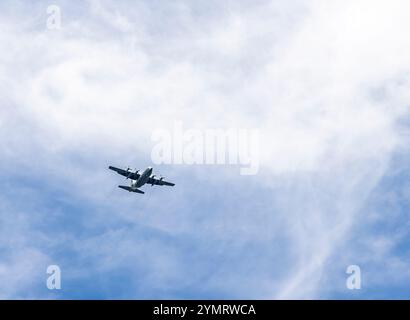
x: 326, y: 84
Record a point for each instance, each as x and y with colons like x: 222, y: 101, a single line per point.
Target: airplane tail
x: 131, y: 189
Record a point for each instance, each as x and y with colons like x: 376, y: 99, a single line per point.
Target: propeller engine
x: 130, y: 173
x: 153, y: 180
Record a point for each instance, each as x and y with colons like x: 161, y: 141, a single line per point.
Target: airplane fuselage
x: 142, y: 179
x: 139, y: 179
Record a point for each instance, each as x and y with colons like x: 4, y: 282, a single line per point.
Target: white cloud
x: 325, y: 82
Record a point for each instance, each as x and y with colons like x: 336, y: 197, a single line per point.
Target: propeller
x: 129, y: 173
x: 153, y: 177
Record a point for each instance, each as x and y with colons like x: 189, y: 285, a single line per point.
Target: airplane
x: 138, y: 179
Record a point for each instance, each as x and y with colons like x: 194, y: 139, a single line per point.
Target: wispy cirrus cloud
x: 326, y: 83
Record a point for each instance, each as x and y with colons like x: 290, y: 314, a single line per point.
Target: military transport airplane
x: 138, y: 179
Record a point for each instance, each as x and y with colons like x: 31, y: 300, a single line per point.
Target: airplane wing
x: 131, y: 189
x: 159, y: 182
x: 125, y: 173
